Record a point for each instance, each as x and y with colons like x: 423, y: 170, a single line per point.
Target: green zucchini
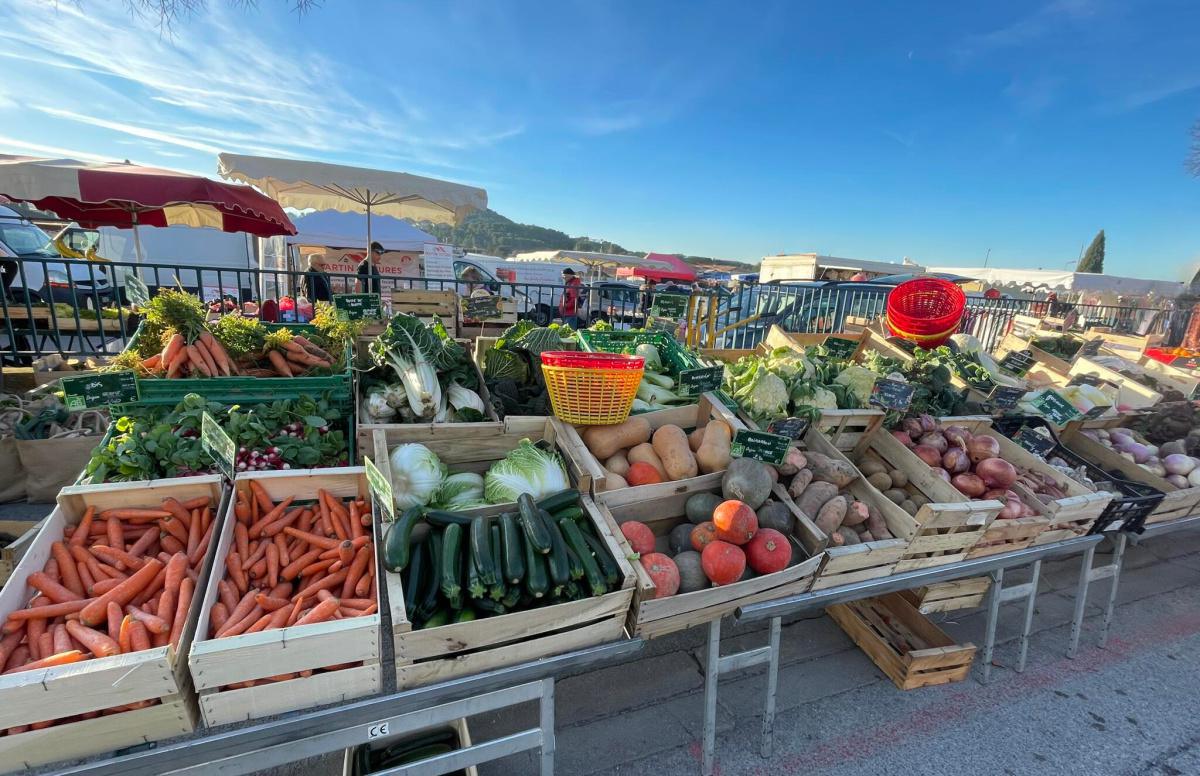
x: 536, y: 581
x: 429, y: 602
x: 535, y: 533
x: 557, y: 560
x: 397, y: 547
x: 576, y: 565
x: 466, y: 615
x: 576, y: 542
x: 414, y: 583
x: 443, y: 518
x: 475, y: 586
x: 514, y: 555
x: 488, y: 606
x: 496, y: 591
x: 452, y: 565
x: 612, y: 572
x: 481, y: 550
x: 440, y: 617
x: 561, y: 500
x: 512, y: 596
x: 573, y: 512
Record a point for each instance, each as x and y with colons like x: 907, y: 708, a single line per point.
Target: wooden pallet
x: 436, y: 654
x: 906, y: 646
x: 686, y: 417
x: 1131, y: 392
x: 652, y: 617
x: 949, y: 525
x: 950, y: 596
x: 1176, y: 503
x: 217, y: 663
x: 11, y: 554
x: 428, y: 304
x: 159, y: 673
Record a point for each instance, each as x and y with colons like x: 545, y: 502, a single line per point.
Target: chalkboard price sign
x: 1017, y: 362
x: 760, y: 445
x: 1096, y: 412
x: 1005, y: 397
x: 100, y: 390
x: 669, y: 306
x: 693, y: 382
x: 1034, y: 441
x: 356, y: 307
x: 1186, y: 362
x: 481, y: 308
x: 1090, y: 348
x: 792, y: 428
x: 381, y: 490
x: 891, y: 394
x: 838, y: 346
x: 1055, y: 408
x: 218, y: 444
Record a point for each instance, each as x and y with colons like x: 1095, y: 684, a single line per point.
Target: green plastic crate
x: 249, y: 390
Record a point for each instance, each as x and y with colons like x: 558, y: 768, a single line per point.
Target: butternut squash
x: 671, y: 445
x: 644, y: 453
x: 617, y: 464
x: 713, y: 453
x: 605, y: 441
x: 696, y: 437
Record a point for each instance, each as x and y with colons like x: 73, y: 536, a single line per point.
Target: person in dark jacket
x: 371, y: 281
x: 316, y: 282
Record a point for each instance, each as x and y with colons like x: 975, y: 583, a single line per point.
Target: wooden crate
x: 1131, y: 392
x: 878, y: 342
x: 650, y: 616
x: 950, y: 596
x: 1130, y: 346
x: 457, y: 649
x: 216, y: 663
x: 778, y: 338
x: 949, y: 525
x: 158, y: 673
x: 1176, y: 503
x: 11, y: 553
x: 686, y: 417
x: 1183, y: 381
x: 1063, y: 518
x: 427, y: 304
x: 1047, y: 370
x: 906, y: 646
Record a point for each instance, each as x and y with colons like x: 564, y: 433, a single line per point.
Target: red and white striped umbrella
x: 128, y: 195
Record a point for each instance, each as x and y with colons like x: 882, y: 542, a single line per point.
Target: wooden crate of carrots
x: 290, y: 618
x: 98, y: 616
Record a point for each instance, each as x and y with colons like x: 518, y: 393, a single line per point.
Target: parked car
x: 33, y: 268
x: 614, y: 301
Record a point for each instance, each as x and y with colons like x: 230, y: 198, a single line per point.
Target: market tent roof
x: 591, y: 259
x: 1062, y: 280
x: 320, y: 186
x: 334, y: 229
x: 675, y: 268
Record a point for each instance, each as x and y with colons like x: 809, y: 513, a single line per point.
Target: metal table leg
x: 1030, y: 604
x: 1118, y: 559
x: 1087, y: 575
x: 768, y: 731
x: 715, y: 665
x: 989, y: 642
x: 1081, y: 591
x: 547, y: 725
x: 1000, y: 594
x: 711, y: 674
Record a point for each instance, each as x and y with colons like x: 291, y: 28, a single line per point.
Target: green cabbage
x: 526, y: 469
x: 464, y: 488
x: 417, y: 475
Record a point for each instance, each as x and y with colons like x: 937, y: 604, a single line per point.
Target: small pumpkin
x: 768, y: 551
x: 680, y: 538
x: 735, y: 522
x: 663, y: 571
x: 703, y: 535
x: 691, y: 573
x: 723, y: 563
x: 775, y: 514
x: 639, y: 536
x: 700, y: 506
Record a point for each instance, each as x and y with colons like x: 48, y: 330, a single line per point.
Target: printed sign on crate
x: 481, y: 308
x: 100, y: 390
x: 1005, y: 397
x: 1186, y: 362
x: 669, y: 306
x: 1090, y: 348
x: 1017, y: 362
x: 760, y: 445
x: 135, y: 289
x: 381, y: 490
x: 218, y: 444
x: 792, y: 428
x: 839, y: 346
x: 1034, y: 441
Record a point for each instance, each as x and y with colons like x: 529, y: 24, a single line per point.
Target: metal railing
x: 51, y: 305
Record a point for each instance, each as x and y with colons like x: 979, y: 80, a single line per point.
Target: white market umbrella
x: 321, y: 186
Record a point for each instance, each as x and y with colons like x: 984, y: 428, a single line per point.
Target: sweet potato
x: 799, y: 483
x: 829, y: 519
x: 644, y: 453
x: 671, y: 445
x: 849, y: 536
x: 815, y: 496
x: 877, y: 525
x: 604, y: 441
x: 826, y: 469
x: 856, y: 514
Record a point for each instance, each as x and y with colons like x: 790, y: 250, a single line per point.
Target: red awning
x: 669, y: 267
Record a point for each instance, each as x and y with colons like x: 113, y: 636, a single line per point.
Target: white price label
x: 378, y: 730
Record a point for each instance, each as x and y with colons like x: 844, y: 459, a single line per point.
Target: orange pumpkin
x: 735, y: 522
x: 723, y: 562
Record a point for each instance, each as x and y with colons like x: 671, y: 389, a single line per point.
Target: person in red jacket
x: 568, y: 306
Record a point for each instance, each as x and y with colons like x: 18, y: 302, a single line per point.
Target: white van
x: 537, y: 301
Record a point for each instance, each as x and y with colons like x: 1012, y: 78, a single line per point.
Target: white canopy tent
x: 1074, y: 282
x: 334, y: 229
x: 592, y: 260
x: 317, y: 185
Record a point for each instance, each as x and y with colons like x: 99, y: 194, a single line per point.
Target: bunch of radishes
x: 248, y: 460
x: 1170, y: 461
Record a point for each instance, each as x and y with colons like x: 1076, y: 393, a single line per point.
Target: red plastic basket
x: 925, y: 307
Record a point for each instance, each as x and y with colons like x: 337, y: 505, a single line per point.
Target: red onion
x: 927, y: 423
x: 903, y: 438
x: 1013, y: 507
x: 996, y: 472
x: 957, y: 436
x: 935, y: 440
x: 939, y: 471
x: 912, y: 427
x: 930, y: 455
x: 995, y: 493
x: 983, y: 446
x: 969, y: 485
x: 955, y: 460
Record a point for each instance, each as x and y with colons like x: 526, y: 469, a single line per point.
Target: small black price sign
x: 481, y: 308
x: 1005, y: 397
x: 669, y: 306
x: 218, y: 444
x: 135, y: 289
x: 356, y: 307
x: 760, y: 445
x: 1186, y: 362
x: 100, y: 390
x: 840, y: 346
x: 891, y: 394
x: 1034, y: 441
x: 381, y: 490
x: 1096, y: 412
x: 1086, y: 379
x: 1017, y: 362
x: 1055, y: 408
x: 792, y: 428
x: 693, y: 382
x: 1090, y: 348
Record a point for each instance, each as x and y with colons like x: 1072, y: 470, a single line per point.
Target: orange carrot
x: 354, y: 545
x: 85, y: 576
x: 274, y: 528
x: 45, y: 644
x: 181, y: 611
x: 59, y: 659
x: 259, y: 569
x: 357, y: 568
x: 194, y: 531
x: 239, y: 627
x: 293, y: 569
x: 218, y: 616
x: 228, y: 594
x: 103, y: 586
x: 217, y: 351
x: 279, y: 363
x: 96, y: 642
x: 199, y: 502
x: 116, y: 534
x: 116, y: 557
x: 366, y: 584
x: 256, y: 530
x: 114, y: 620
x: 272, y: 565
x: 176, y: 364
x: 313, y: 539
x: 61, y: 641
x: 141, y: 547
x: 68, y: 574
x: 326, y: 523
x: 280, y: 543
x: 258, y: 553
x: 201, y: 549
x: 197, y: 360
x: 123, y: 635
x: 34, y: 630
x: 294, y: 615
x: 356, y: 526
x: 85, y: 525
x: 177, y: 510
x: 170, y: 543
x: 135, y: 514
x: 41, y: 581
x: 325, y: 583
x: 123, y: 593
x: 244, y: 607
x: 8, y: 644
x: 261, y: 623
x: 346, y: 552
x: 173, y: 347
x: 233, y: 568
x: 49, y: 611
x: 139, y: 637
x: 320, y: 613
x: 260, y: 497
x: 175, y: 528
x: 153, y: 622
x: 242, y: 511
x: 317, y: 567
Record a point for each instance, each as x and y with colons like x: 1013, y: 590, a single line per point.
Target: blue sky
x: 873, y: 130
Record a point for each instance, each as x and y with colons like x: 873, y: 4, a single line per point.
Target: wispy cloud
x: 1029, y: 28
x: 39, y: 149
x: 1035, y: 94
x: 1140, y: 98
x: 130, y: 129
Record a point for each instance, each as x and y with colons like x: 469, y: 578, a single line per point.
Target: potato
x: 895, y: 495
x: 696, y: 437
x: 826, y: 469
x: 918, y: 499
x: 856, y: 514
x: 645, y: 453
x: 849, y: 536
x: 865, y: 536
x: 869, y: 466
x: 799, y: 482
x: 604, y: 441
x: 877, y: 525
x: 815, y: 496
x: 671, y: 445
x: 880, y: 481
x: 908, y: 506
x: 614, y: 481
x: 899, y: 478
x: 713, y: 453
x: 829, y: 519
x: 617, y: 464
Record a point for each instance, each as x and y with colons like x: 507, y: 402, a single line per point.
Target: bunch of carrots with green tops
x: 122, y: 580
